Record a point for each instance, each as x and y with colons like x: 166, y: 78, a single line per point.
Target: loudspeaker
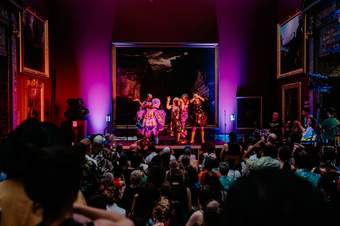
x: 249, y: 112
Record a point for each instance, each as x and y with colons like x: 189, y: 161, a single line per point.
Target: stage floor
x: 175, y: 147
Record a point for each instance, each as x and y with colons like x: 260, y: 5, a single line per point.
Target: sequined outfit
x: 153, y: 120
x: 199, y: 118
x: 184, y: 118
x: 175, y: 121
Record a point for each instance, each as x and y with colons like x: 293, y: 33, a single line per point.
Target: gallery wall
x: 82, y: 32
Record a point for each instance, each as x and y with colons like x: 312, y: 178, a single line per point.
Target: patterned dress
x: 184, y: 118
x: 141, y: 113
x: 153, y: 120
x: 199, y: 118
x: 176, y: 122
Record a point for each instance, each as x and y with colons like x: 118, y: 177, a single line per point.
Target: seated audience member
x: 306, y: 116
x: 111, y: 191
x: 298, y: 128
x: 180, y: 196
x: 233, y: 172
x: 207, y: 151
x: 304, y: 165
x: 288, y: 128
x: 209, y: 213
x: 188, y: 151
x: 266, y: 161
x: 168, y: 150
x: 269, y: 198
x: 15, y: 152
x: 272, y: 139
x: 52, y: 181
x: 309, y: 133
x: 328, y: 155
x: 148, y: 195
x: 294, y: 140
x: 224, y: 179
x: 329, y: 127
x: 209, y: 165
x: 137, y: 181
x: 97, y: 145
x: 162, y: 213
x: 210, y: 181
x: 90, y: 182
x: 153, y: 152
x: 285, y: 156
x: 232, y: 151
x: 276, y: 126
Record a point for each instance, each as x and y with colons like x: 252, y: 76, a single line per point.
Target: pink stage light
x: 96, y: 85
x: 231, y: 27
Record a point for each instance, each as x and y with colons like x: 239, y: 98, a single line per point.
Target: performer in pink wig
x: 153, y: 121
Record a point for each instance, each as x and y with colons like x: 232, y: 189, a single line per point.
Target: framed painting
x: 291, y: 101
x: 162, y: 69
x: 34, y: 99
x: 291, y: 46
x: 249, y: 112
x: 34, y: 52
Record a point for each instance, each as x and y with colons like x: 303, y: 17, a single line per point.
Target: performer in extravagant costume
x: 199, y: 117
x: 153, y: 121
x: 184, y: 114
x: 175, y: 119
x: 142, y: 110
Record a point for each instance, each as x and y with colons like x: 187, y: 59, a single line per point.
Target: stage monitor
x: 162, y: 69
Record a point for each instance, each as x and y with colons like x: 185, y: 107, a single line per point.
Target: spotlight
x: 232, y: 117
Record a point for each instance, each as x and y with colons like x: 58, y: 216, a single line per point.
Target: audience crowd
x: 279, y: 177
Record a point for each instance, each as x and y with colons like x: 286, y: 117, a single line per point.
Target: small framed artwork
x: 249, y: 112
x: 34, y: 53
x: 291, y: 46
x: 34, y: 99
x: 291, y: 101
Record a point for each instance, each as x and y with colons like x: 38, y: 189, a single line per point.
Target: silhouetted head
x: 52, y: 180
x: 273, y: 198
x: 16, y: 148
x: 232, y: 137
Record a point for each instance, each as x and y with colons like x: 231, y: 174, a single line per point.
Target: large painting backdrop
x: 167, y: 70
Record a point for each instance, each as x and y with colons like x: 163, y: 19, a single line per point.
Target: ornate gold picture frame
x: 34, y: 50
x: 291, y: 46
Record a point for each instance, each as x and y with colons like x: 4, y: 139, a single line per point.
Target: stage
x: 175, y: 147
x: 129, y: 137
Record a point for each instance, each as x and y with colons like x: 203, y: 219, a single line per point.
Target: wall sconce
x: 108, y: 118
x: 232, y: 117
